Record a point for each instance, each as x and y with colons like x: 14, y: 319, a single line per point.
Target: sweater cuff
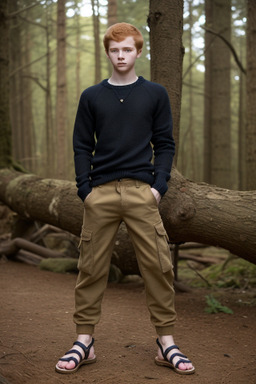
x: 160, y: 183
x: 83, y: 192
x: 160, y: 188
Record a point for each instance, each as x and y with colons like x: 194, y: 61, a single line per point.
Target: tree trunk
x: 15, y: 86
x: 28, y: 127
x: 96, y: 35
x: 241, y: 132
x: 112, y: 12
x: 251, y: 97
x: 5, y: 126
x: 191, y: 212
x: 78, y: 56
x: 217, y: 90
x: 112, y: 19
x: 48, y: 160
x: 192, y: 143
x: 61, y: 106
x: 165, y: 21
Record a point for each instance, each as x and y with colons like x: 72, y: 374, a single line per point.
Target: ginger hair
x: 118, y: 32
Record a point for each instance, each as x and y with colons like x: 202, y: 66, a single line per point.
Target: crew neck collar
x: 109, y: 85
x: 123, y: 85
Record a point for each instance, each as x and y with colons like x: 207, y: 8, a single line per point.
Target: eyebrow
x: 130, y: 47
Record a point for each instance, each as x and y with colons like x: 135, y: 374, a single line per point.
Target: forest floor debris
x: 36, y: 329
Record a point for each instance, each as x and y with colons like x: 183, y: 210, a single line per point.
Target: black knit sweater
x: 118, y: 129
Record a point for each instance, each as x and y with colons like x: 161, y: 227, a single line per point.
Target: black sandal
x: 169, y: 362
x: 82, y: 360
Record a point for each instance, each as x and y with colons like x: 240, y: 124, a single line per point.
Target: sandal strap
x: 68, y: 359
x: 74, y: 351
x: 183, y: 359
x: 84, y: 348
x: 165, y: 353
x: 169, y: 349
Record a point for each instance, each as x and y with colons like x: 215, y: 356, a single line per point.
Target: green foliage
x: 214, y: 306
x: 234, y: 273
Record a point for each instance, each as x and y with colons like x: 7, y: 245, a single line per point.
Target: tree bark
x: 15, y: 245
x: 78, y: 56
x: 29, y: 150
x: 251, y: 97
x: 61, y: 105
x: 112, y: 12
x: 14, y: 109
x: 112, y: 19
x: 195, y: 212
x: 217, y: 141
x: 48, y: 162
x: 165, y: 21
x: 96, y: 35
x: 5, y: 125
x: 241, y: 130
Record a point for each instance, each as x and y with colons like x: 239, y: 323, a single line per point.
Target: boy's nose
x: 120, y: 55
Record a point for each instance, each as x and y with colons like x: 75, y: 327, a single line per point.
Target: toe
x: 185, y: 366
x: 66, y: 364
x: 61, y: 364
x: 182, y: 366
x: 70, y: 365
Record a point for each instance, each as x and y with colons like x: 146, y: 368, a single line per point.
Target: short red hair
x: 118, y: 32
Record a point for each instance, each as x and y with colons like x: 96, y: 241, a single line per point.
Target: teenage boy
x: 120, y: 124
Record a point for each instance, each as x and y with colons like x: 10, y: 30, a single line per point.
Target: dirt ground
x: 37, y: 328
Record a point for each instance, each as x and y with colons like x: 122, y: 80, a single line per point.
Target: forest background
x: 204, y: 53
x: 56, y: 52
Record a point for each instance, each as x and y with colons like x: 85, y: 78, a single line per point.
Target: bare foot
x: 71, y: 365
x: 166, y: 342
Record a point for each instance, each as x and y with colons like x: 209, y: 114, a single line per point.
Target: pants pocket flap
x: 160, y: 229
x: 164, y: 253
x: 86, y: 258
x: 86, y: 235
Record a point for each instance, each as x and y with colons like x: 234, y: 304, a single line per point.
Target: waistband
x: 126, y: 182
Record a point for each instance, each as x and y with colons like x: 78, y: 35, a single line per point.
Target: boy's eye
x: 114, y: 50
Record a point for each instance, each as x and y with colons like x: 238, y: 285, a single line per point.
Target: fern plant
x: 214, y: 306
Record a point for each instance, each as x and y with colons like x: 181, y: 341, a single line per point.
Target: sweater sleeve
x: 83, y: 145
x: 163, y: 142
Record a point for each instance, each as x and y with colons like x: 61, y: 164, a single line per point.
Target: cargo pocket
x: 164, y: 252
x: 86, y: 259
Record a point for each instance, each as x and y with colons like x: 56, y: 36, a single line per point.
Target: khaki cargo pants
x: 106, y: 207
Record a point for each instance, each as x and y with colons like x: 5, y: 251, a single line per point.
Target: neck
x: 119, y: 79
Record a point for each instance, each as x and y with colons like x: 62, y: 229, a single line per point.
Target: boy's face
x: 123, y: 54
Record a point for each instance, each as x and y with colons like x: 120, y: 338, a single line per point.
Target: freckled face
x: 123, y: 54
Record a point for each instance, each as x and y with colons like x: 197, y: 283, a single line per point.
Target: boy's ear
x: 107, y: 53
x: 139, y: 52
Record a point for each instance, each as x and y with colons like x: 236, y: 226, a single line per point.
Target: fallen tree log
x: 191, y: 212
x: 28, y: 257
x: 13, y: 246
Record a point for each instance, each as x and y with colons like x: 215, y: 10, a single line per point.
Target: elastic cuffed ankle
x: 84, y: 329
x: 164, y: 331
